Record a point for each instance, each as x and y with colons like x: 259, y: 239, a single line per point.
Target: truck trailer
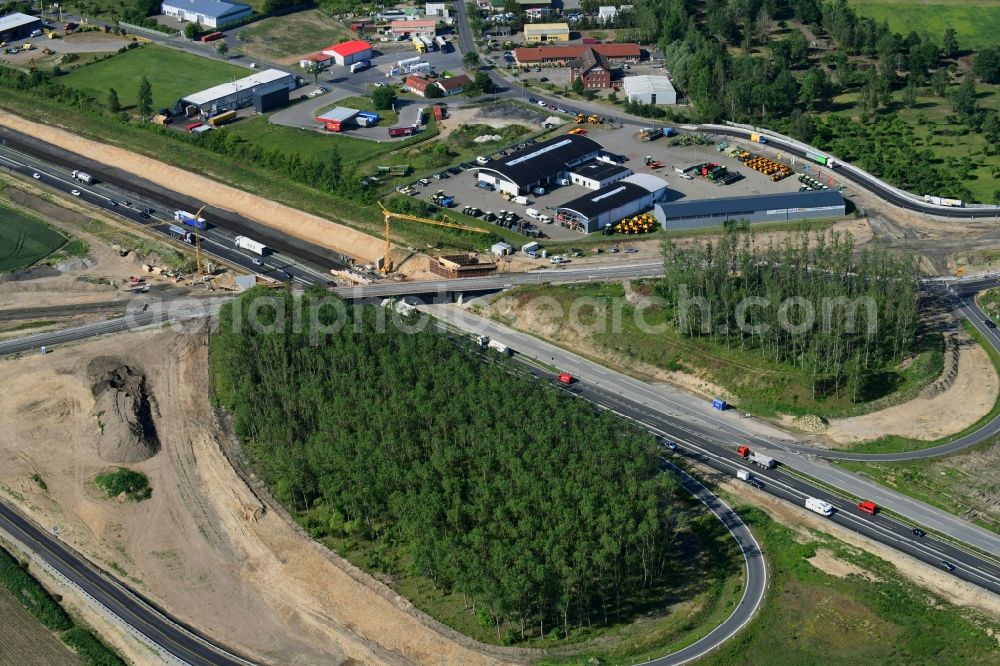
x: 187, y: 218
x: 250, y: 245
x: 498, y: 347
x: 83, y: 177
x: 766, y: 462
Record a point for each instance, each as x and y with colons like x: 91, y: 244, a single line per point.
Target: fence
x: 149, y: 31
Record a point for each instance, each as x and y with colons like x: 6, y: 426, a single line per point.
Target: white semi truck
x: 83, y: 177
x: 250, y: 245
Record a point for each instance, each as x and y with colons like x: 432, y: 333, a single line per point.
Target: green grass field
x: 172, y: 73
x: 813, y: 617
x: 283, y: 38
x: 977, y: 22
x: 24, y: 240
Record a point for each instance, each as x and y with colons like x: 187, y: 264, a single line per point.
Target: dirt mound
x: 124, y: 411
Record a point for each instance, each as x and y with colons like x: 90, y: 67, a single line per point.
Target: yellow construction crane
x: 388, y: 214
x: 197, y: 242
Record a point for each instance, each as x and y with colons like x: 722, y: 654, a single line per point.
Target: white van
x: 819, y: 506
x: 545, y: 219
x: 532, y: 213
x: 482, y: 161
x: 520, y: 201
x: 563, y: 181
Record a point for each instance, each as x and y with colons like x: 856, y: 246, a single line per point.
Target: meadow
x: 24, y: 240
x: 976, y: 22
x: 173, y: 74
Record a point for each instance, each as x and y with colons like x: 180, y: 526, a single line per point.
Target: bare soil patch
x: 971, y: 396
x: 826, y: 561
x: 305, y: 226
x: 205, y: 546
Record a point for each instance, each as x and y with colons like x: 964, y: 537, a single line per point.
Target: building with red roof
x: 454, y: 85
x: 348, y: 53
x: 418, y: 84
x: 562, y: 55
x: 414, y: 28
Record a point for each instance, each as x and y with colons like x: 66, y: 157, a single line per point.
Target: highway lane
x: 727, y: 429
x: 305, y: 263
x: 130, y: 607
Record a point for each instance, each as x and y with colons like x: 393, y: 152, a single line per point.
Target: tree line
x: 744, y: 296
x: 543, y: 512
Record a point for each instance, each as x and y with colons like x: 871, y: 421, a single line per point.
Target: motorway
x: 130, y: 607
x: 711, y: 438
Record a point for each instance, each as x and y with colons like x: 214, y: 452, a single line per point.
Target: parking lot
x: 624, y: 142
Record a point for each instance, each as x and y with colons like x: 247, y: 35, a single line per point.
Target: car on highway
x: 989, y: 323
x: 630, y: 250
x: 147, y: 211
x: 946, y: 565
x: 112, y: 203
x: 756, y: 483
x: 541, y: 102
x: 36, y: 175
x: 917, y: 532
x: 532, y: 100
x: 670, y: 444
x: 257, y: 262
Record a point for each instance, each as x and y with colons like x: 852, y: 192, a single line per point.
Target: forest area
x: 750, y: 61
x: 807, y: 301
x: 544, y: 513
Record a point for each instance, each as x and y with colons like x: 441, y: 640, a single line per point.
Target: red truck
x: 190, y: 128
x: 743, y: 451
x: 211, y: 37
x: 400, y: 131
x: 868, y: 507
x: 565, y: 378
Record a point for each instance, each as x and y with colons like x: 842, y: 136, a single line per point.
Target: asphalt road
x: 304, y: 263
x: 129, y: 606
x: 686, y: 417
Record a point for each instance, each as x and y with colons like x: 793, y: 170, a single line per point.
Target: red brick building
x: 593, y: 68
x: 560, y: 55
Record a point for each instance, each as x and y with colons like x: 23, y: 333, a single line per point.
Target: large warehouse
x: 207, y: 13
x: 649, y: 90
x: 610, y: 204
x: 784, y: 207
x: 348, y: 53
x: 241, y: 93
x: 18, y: 26
x: 535, y: 33
x: 539, y: 165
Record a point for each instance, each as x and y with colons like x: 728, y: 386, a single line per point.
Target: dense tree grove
x: 542, y: 511
x: 807, y: 302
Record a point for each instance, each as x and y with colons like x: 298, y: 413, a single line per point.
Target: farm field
x: 24, y: 641
x: 283, y: 39
x: 977, y: 22
x: 24, y: 240
x: 172, y: 74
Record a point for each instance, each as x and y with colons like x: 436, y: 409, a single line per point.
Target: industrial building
x: 348, y: 53
x: 784, y: 207
x: 535, y: 33
x: 610, y: 204
x: 207, y: 13
x: 411, y: 28
x: 539, y: 165
x: 320, y: 60
x: 337, y: 118
x: 18, y: 26
x: 241, y: 93
x: 649, y: 90
x: 598, y: 174
x: 560, y: 56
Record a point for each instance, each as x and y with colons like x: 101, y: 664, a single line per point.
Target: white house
x: 606, y: 14
x: 438, y: 9
x: 207, y: 13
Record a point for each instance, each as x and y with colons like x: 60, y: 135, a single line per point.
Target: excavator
x: 388, y: 215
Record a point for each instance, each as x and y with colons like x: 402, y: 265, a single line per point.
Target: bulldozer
x: 580, y: 119
x: 594, y: 119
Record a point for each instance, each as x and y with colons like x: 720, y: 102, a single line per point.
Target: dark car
x: 917, y: 532
x: 112, y: 203
x: 454, y: 170
x: 989, y: 323
x: 533, y: 100
x: 946, y: 565
x: 147, y: 211
x: 756, y: 483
